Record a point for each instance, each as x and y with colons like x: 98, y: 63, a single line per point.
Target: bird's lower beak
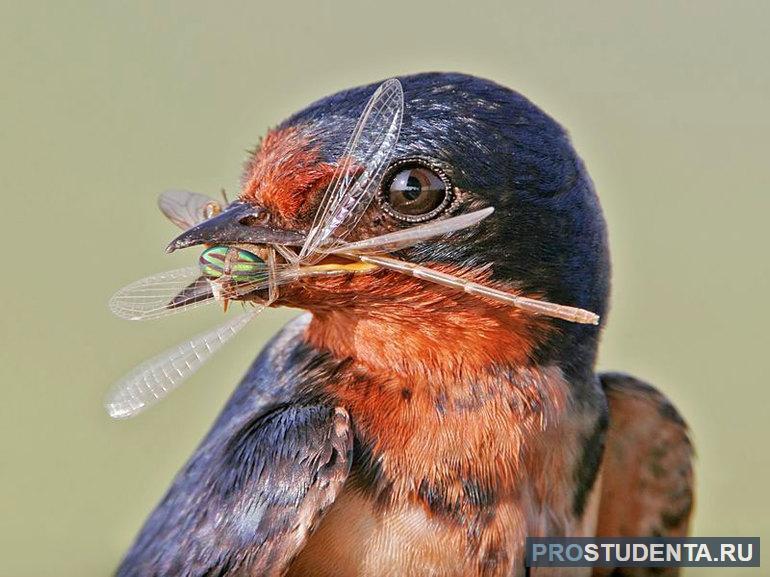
x: 234, y: 226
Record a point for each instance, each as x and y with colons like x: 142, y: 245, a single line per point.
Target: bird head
x: 465, y: 144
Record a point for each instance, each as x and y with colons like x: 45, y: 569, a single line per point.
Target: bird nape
x: 439, y: 402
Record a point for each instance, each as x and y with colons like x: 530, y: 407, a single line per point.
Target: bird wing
x: 251, y: 494
x: 647, y: 479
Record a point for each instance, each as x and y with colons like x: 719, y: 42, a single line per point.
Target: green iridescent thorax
x: 238, y: 264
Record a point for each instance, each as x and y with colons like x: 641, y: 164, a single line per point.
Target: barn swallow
x: 403, y: 428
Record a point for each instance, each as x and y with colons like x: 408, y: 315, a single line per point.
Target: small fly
x: 226, y: 273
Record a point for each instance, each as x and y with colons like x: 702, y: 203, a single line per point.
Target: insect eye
x: 415, y: 192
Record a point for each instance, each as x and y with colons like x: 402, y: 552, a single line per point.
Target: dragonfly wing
x: 196, y: 292
x: 174, y: 291
x: 162, y: 294
x: 356, y: 179
x: 151, y: 381
x: 411, y: 236
x: 186, y: 209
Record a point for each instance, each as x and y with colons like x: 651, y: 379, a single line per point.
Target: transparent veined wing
x: 186, y: 209
x: 411, y: 236
x: 151, y: 381
x: 162, y: 294
x: 174, y: 291
x: 357, y: 177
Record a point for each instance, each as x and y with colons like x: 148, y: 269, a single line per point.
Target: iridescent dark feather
x: 247, y: 499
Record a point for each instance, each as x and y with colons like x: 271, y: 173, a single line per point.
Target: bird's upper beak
x: 233, y: 226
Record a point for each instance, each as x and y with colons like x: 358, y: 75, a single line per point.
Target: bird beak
x: 231, y: 226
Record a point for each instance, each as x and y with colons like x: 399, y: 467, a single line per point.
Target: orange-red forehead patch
x: 285, y: 174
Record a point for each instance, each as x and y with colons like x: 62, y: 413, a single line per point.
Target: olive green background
x: 104, y: 104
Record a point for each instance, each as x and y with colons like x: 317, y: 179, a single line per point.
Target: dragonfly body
x: 435, y: 407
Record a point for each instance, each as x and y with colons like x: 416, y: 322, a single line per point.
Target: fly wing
x: 186, y: 209
x: 356, y: 179
x: 411, y: 236
x: 151, y: 381
x: 162, y: 294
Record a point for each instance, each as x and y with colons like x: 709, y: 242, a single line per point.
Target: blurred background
x: 105, y: 104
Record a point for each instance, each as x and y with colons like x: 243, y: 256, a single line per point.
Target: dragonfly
x: 238, y: 273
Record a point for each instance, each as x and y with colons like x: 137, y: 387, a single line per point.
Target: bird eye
x: 414, y: 191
